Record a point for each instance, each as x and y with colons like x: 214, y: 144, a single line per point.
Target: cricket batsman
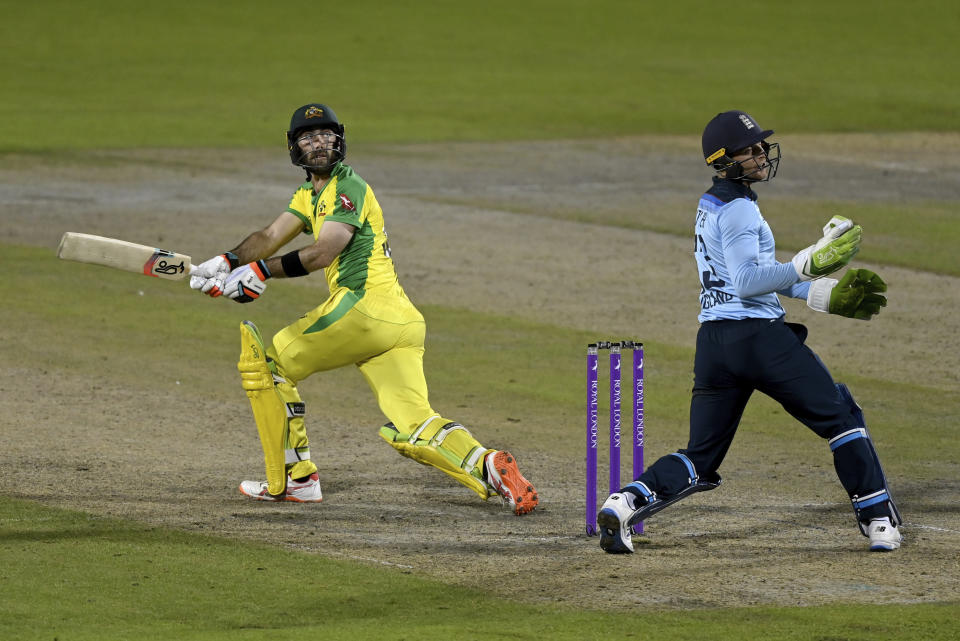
x: 367, y: 321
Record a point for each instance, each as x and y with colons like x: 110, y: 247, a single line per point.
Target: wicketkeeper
x: 744, y: 344
x: 367, y: 321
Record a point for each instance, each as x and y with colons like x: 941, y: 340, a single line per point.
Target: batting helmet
x: 728, y: 133
x: 315, y: 116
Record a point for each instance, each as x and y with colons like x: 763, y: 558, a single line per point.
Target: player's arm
x: 210, y: 276
x: 267, y: 241
x: 797, y: 290
x: 741, y: 249
x: 246, y: 283
x: 334, y: 236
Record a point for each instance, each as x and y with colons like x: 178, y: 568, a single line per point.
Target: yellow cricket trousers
x: 382, y: 334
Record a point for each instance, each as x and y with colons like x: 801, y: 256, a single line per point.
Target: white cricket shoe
x: 615, y: 534
x: 306, y: 492
x: 884, y: 536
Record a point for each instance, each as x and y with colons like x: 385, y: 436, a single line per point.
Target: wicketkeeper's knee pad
x: 858, y: 467
x: 445, y: 445
x: 269, y: 410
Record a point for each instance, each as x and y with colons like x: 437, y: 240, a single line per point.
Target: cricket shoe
x: 884, y: 536
x: 505, y: 477
x: 306, y: 492
x: 614, y: 523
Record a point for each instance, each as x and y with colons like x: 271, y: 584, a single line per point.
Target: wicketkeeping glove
x: 210, y: 275
x: 840, y: 243
x: 856, y: 295
x: 246, y: 283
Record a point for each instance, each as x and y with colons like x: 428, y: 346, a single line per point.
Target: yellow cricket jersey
x: 365, y: 263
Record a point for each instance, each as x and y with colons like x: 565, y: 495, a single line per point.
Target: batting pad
x: 445, y: 445
x: 269, y: 410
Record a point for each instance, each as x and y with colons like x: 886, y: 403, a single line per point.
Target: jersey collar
x: 727, y: 190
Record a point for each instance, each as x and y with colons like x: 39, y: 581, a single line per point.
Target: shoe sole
x: 296, y: 500
x: 611, y: 543
x: 260, y: 497
x: 271, y: 499
x: 525, y: 497
x: 884, y: 547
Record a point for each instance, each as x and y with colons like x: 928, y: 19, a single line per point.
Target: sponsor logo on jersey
x: 346, y: 203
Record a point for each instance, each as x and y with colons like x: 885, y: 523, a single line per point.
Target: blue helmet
x: 728, y: 133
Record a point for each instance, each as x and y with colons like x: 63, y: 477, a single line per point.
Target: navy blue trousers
x: 733, y: 359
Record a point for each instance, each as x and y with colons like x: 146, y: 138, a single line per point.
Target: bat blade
x: 120, y: 254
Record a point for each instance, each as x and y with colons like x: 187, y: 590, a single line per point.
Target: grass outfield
x: 201, y: 73
x: 71, y: 576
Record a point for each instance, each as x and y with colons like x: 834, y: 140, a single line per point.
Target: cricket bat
x: 120, y: 254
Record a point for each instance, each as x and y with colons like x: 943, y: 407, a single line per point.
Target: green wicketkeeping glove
x: 840, y: 243
x: 856, y: 295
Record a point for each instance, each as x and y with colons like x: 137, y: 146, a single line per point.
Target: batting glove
x: 209, y: 276
x: 840, y: 243
x: 246, y: 283
x: 856, y: 295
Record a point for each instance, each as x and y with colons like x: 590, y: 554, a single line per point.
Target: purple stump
x: 638, y: 418
x: 592, y: 438
x: 615, y: 396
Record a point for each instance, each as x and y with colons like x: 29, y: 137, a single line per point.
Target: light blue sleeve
x: 748, y: 250
x: 799, y: 290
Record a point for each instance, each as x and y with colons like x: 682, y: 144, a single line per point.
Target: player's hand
x: 837, y: 223
x: 209, y: 276
x: 840, y: 243
x: 246, y: 283
x: 856, y: 295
